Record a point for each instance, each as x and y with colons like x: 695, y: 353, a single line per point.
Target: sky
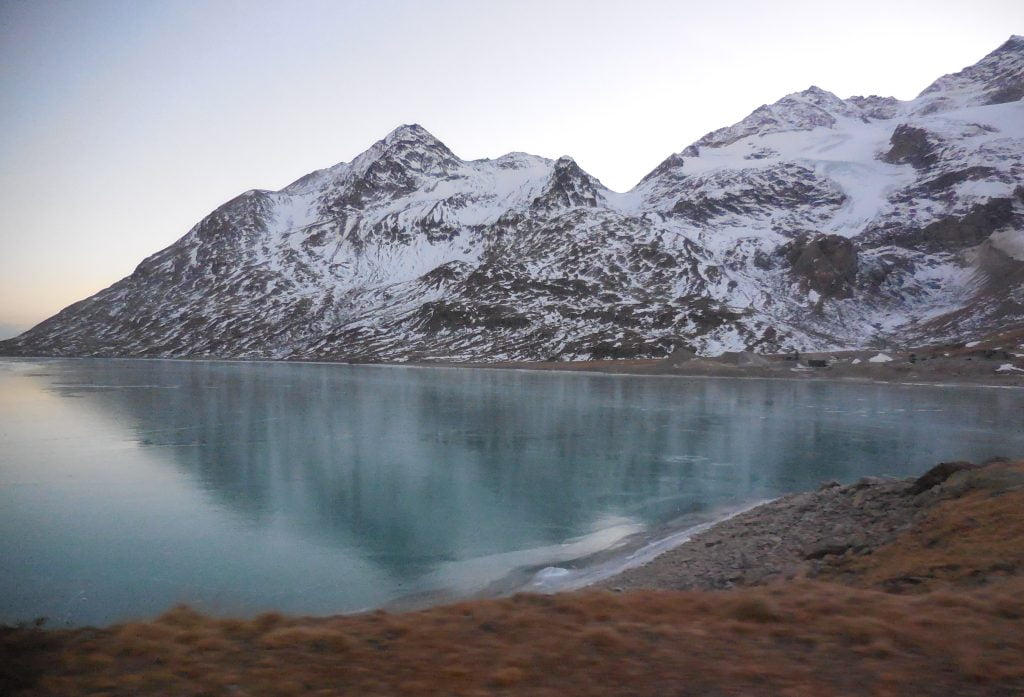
x: 124, y: 122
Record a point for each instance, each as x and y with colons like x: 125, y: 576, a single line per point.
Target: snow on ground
x: 1007, y: 120
x: 1010, y: 242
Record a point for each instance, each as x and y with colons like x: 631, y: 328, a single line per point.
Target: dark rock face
x: 996, y: 79
x: 629, y: 346
x: 972, y: 229
x: 911, y: 146
x: 947, y: 180
x: 876, y: 107
x: 570, y: 186
x: 826, y: 263
x: 1007, y: 93
x: 439, y: 316
x: 672, y: 165
x: 785, y: 187
x: 957, y: 233
x: 884, y: 268
x: 1007, y: 85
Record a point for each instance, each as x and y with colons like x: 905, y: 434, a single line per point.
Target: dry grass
x: 968, y: 541
x: 965, y: 637
x: 804, y: 638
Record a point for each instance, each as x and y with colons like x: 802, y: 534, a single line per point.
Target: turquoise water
x: 129, y: 486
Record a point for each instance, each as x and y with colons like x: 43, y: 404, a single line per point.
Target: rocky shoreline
x: 803, y: 535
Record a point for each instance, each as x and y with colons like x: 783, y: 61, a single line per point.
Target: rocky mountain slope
x: 814, y: 223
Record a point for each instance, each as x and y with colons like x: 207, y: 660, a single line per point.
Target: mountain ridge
x: 814, y: 223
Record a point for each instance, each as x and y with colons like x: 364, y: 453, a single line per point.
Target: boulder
x: 912, y: 146
x: 937, y: 475
x: 827, y: 264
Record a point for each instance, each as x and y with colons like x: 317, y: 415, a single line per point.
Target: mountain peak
x: 412, y: 144
x: 410, y: 132
x: 412, y: 137
x: 819, y: 97
x: 815, y: 91
x: 569, y: 187
x: 406, y: 138
x: 812, y: 108
x: 995, y: 79
x: 1014, y: 43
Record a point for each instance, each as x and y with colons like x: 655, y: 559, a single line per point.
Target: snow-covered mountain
x: 816, y: 222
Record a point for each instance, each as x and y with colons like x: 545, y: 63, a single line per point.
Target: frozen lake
x: 127, y: 486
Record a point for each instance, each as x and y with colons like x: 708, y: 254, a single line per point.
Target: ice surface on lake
x: 129, y: 486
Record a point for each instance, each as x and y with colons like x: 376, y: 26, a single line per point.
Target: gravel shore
x: 799, y: 535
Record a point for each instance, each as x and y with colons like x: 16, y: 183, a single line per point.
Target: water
x: 129, y: 486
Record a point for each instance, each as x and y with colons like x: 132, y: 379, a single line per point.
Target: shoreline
x: 814, y: 534
x: 559, y: 579
x: 626, y: 372
x: 975, y: 367
x: 802, y: 534
x: 575, y: 573
x: 703, y: 369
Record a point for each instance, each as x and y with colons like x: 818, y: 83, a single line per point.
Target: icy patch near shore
x: 555, y: 579
x: 473, y: 575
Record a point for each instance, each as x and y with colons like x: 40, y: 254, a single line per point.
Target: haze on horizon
x: 124, y: 123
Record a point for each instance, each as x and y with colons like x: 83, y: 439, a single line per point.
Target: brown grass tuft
x: 604, y: 638
x: 300, y: 637
x: 181, y: 616
x: 508, y: 676
x: 756, y: 610
x: 267, y: 621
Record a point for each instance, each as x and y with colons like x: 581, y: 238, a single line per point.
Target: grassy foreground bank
x: 957, y: 629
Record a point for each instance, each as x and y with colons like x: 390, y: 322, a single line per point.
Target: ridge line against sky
x: 124, y: 123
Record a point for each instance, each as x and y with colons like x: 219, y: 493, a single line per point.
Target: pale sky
x: 124, y: 122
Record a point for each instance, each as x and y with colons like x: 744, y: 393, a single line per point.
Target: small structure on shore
x: 743, y: 358
x: 680, y: 354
